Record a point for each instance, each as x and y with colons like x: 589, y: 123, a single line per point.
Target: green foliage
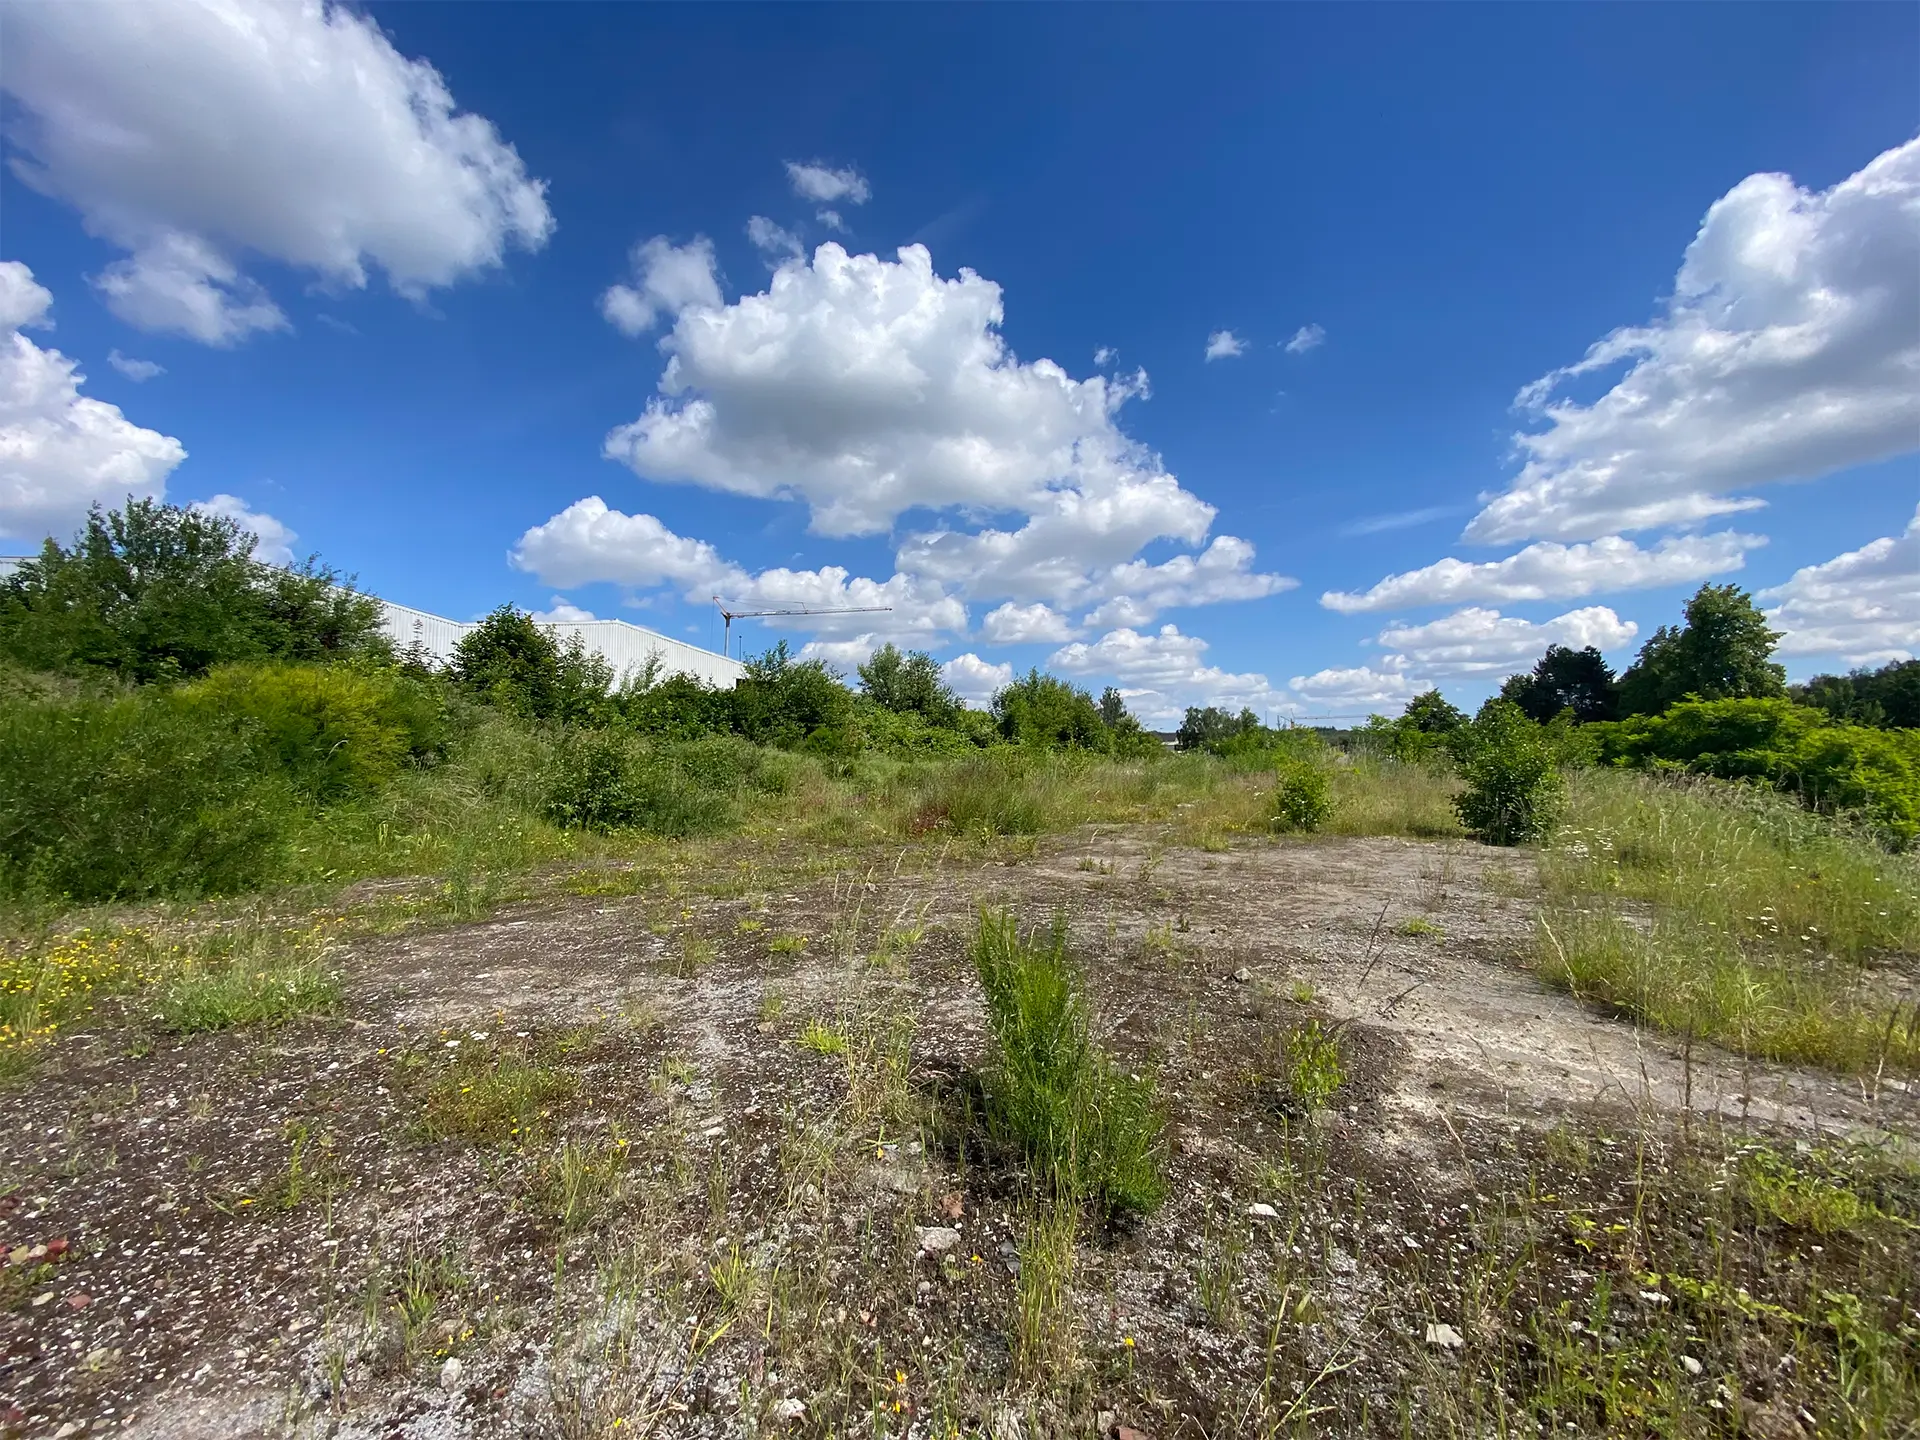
x: 1302, y: 796
x: 1314, y: 1069
x: 910, y: 735
x: 908, y: 684
x: 1090, y: 1131
x: 1887, y: 698
x: 999, y: 792
x: 1048, y: 713
x: 679, y: 707
x: 202, y: 1000
x: 1430, y: 713
x: 1832, y: 768
x: 1424, y: 731
x: 1577, y: 680
x: 159, y: 592
x: 1210, y: 727
x: 121, y: 796
x: 794, y: 704
x: 333, y: 730
x: 1513, y: 789
x: 515, y: 664
x: 607, y: 780
x: 1723, y: 651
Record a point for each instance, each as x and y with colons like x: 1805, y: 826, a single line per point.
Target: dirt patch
x: 721, y: 1215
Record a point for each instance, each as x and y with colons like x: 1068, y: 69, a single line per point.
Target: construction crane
x: 732, y: 615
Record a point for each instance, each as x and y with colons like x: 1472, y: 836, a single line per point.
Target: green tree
x: 1513, y: 791
x: 1209, y: 727
x: 1565, y: 679
x: 1044, y: 711
x: 1887, y: 698
x: 514, y: 663
x: 1723, y: 652
x: 1113, y: 706
x: 909, y: 683
x: 1430, y: 713
x: 788, y: 702
x: 160, y: 592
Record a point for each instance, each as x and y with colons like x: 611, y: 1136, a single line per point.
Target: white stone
x: 1445, y: 1335
x: 786, y: 1411
x: 1260, y: 1210
x: 937, y: 1239
x: 1691, y: 1365
x: 450, y: 1373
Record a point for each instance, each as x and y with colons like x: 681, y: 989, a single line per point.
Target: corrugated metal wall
x: 625, y: 647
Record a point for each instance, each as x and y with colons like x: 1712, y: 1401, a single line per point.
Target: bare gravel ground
x: 713, y: 1222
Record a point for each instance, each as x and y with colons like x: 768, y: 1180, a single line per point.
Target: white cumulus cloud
x: 61, y: 451
x: 832, y: 219
x: 1787, y: 351
x: 866, y: 388
x: 1357, y: 688
x: 824, y: 183
x: 589, y: 541
x: 138, y: 371
x: 275, y: 537
x: 1012, y: 624
x: 1164, y: 673
x: 194, y: 133
x: 1307, y: 337
x: 1863, y: 606
x: 1548, y: 570
x: 843, y: 655
x: 975, y: 680
x: 668, y: 280
x: 563, y: 611
x: 1477, y: 641
x: 1224, y: 345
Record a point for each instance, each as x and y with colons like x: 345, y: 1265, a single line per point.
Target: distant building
x: 626, y: 648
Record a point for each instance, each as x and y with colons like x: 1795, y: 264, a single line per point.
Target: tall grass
x: 1731, y: 914
x: 1090, y: 1131
x: 1379, y: 795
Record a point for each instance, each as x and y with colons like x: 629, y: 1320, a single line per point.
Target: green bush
x: 335, y: 730
x: 162, y: 592
x: 794, y: 704
x: 1090, y: 1131
x: 1049, y: 714
x: 1302, y: 797
x: 1833, y: 768
x: 514, y: 663
x: 1513, y: 792
x: 1000, y: 792
x: 605, y: 780
x: 127, y: 796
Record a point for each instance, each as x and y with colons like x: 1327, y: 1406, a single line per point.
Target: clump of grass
x: 1417, y: 928
x: 1314, y: 1069
x: 1044, y: 1341
x: 1735, y: 916
x: 494, y: 1095
x: 1379, y: 795
x: 822, y: 1039
x: 1089, y: 1130
x: 580, y: 1182
x: 200, y: 1000
x: 787, y: 945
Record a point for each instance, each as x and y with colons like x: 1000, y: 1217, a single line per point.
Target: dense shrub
x: 678, y: 707
x: 1090, y: 1132
x: 796, y: 704
x: 1579, y: 682
x: 1302, y: 796
x: 1048, y: 713
x: 1833, y: 768
x: 333, y: 730
x: 158, y: 592
x: 909, y: 735
x: 126, y: 796
x: 909, y: 683
x: 515, y: 664
x: 1425, y: 730
x: 606, y: 780
x: 1513, y: 789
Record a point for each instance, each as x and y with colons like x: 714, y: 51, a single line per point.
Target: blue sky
x: 394, y: 266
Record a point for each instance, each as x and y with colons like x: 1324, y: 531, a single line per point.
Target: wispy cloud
x: 1307, y: 337
x: 1398, y: 520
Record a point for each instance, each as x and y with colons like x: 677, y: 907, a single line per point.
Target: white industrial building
x: 626, y: 648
